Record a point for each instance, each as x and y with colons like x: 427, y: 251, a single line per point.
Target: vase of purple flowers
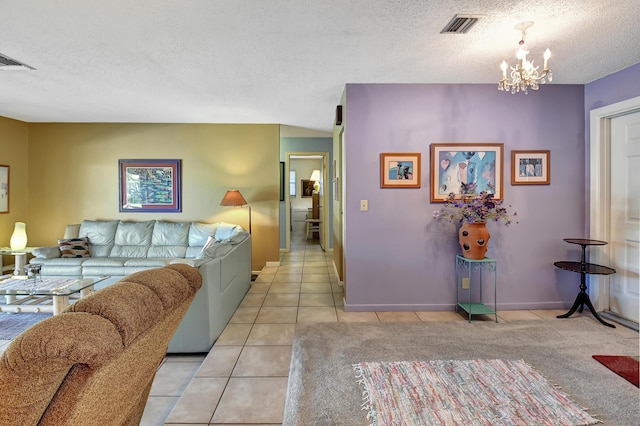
x: 473, y: 212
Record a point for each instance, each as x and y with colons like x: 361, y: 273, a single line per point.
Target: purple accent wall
x: 399, y: 258
x: 613, y: 88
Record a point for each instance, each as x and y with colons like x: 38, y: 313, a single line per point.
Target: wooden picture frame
x: 400, y: 170
x: 306, y: 188
x: 150, y: 186
x: 531, y: 167
x: 4, y: 188
x: 466, y: 169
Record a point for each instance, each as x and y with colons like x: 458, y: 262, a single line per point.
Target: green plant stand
x: 469, y: 286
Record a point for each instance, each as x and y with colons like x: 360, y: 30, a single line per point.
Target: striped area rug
x: 13, y: 324
x: 470, y: 392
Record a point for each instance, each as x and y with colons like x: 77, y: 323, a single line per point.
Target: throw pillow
x: 74, y: 247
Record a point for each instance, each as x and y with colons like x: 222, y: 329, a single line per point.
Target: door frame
x: 325, y: 197
x: 600, y: 191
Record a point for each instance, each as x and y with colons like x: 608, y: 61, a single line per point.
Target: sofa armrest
x: 51, y: 252
x: 226, y: 280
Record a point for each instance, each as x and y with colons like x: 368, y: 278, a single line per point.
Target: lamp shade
x: 19, y: 237
x: 234, y: 198
x: 315, y: 177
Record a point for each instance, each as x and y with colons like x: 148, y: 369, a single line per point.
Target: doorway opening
x: 307, y: 197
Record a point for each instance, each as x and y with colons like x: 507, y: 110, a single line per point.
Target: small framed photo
x: 150, y: 186
x: 400, y: 170
x: 466, y: 169
x: 530, y: 167
x: 306, y: 188
x: 4, y: 189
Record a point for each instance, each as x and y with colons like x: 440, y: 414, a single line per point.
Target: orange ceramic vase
x: 473, y: 239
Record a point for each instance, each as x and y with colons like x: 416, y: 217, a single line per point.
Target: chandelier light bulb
x: 522, y: 53
x: 547, y: 55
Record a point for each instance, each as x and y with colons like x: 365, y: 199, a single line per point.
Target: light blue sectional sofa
x: 220, y: 251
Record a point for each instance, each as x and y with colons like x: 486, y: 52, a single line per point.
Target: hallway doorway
x: 302, y: 205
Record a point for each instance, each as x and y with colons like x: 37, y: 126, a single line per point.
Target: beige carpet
x: 323, y: 389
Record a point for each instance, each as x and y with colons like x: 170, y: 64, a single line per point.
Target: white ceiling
x: 280, y: 61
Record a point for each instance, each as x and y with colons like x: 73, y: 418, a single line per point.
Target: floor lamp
x: 234, y: 198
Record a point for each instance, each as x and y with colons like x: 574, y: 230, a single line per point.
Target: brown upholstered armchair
x: 94, y: 364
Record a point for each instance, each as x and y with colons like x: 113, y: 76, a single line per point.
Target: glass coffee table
x: 24, y: 294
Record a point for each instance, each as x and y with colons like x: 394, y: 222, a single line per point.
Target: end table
x: 20, y: 257
x: 584, y: 268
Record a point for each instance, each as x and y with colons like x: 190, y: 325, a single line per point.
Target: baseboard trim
x: 350, y: 307
x: 622, y: 321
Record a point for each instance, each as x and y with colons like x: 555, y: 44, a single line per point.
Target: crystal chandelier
x: 525, y: 75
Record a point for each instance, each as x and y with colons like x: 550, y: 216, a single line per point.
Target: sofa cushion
x: 65, y: 270
x: 169, y: 285
x: 193, y: 252
x: 199, y: 232
x: 101, y: 235
x: 169, y: 239
x: 105, y: 261
x: 146, y: 262
x: 214, y: 249
x: 170, y: 233
x: 132, y: 239
x: 226, y: 232
x: 131, y: 308
x: 76, y: 261
x: 72, y: 231
x: 74, y: 247
x: 46, y: 252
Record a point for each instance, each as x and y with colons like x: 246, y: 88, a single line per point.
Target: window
x: 292, y: 183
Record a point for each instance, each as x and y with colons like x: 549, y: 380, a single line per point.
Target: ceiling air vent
x: 8, y: 64
x: 460, y: 24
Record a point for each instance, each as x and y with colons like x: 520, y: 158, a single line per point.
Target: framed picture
x: 282, y: 181
x: 398, y: 170
x: 4, y: 189
x: 466, y: 169
x: 530, y: 167
x: 306, y: 188
x: 150, y: 186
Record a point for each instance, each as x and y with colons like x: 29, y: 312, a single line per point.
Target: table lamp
x: 315, y: 177
x: 19, y: 237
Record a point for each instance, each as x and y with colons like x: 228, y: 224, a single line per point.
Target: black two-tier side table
x: 584, y: 268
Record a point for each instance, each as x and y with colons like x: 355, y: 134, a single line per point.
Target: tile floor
x: 243, y: 379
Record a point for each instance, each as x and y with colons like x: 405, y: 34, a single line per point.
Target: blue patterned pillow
x: 74, y: 247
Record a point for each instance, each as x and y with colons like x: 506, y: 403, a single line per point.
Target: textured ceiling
x: 280, y: 61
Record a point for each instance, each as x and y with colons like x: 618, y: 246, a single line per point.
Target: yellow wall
x: 14, y: 137
x: 73, y: 175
